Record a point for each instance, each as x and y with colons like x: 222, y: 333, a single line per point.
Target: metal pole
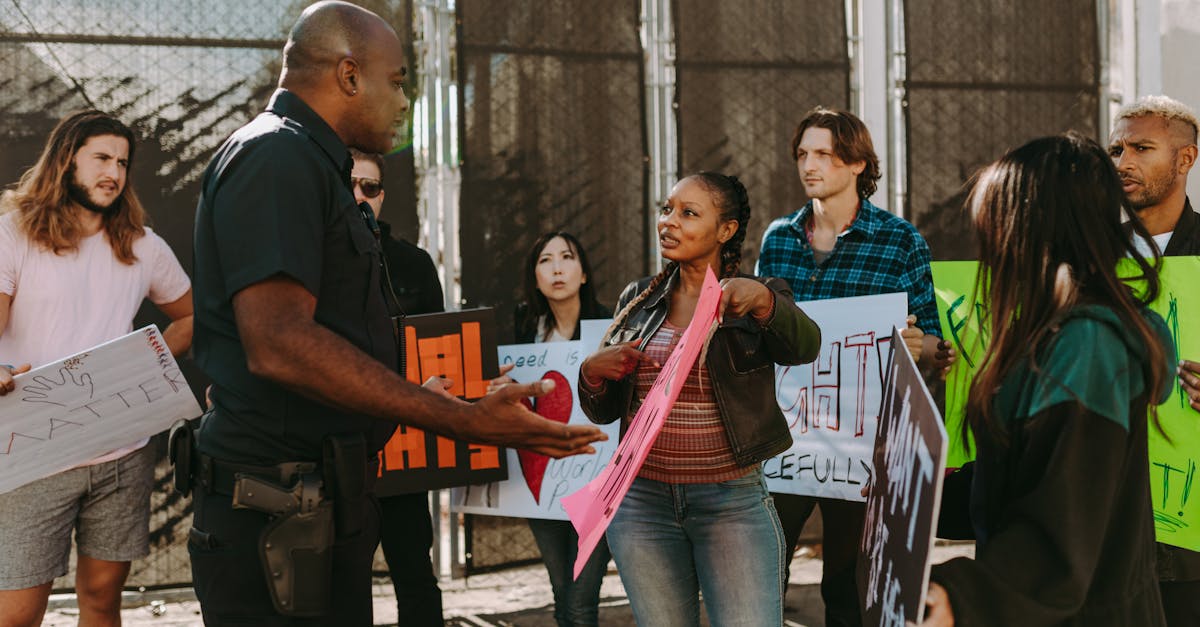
x: 435, y: 116
x: 854, y: 54
x: 897, y: 135
x: 1104, y: 40
x: 658, y: 42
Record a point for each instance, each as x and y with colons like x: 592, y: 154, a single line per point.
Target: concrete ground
x: 515, y: 597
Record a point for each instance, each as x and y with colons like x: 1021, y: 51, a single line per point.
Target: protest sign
x: 1172, y: 463
x: 460, y: 346
x: 537, y: 491
x: 963, y: 326
x: 593, y: 506
x: 832, y: 404
x: 69, y: 412
x: 902, y: 508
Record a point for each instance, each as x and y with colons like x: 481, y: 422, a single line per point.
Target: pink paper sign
x: 591, y: 508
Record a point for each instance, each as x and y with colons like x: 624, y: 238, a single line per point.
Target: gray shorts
x: 108, y: 506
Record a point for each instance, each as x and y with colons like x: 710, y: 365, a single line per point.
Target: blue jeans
x: 674, y: 541
x: 576, y: 601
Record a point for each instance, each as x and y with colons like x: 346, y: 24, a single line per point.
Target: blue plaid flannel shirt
x: 880, y: 253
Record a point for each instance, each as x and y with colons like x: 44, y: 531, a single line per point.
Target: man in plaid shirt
x: 839, y: 245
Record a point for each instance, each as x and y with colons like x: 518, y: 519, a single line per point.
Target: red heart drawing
x: 554, y: 406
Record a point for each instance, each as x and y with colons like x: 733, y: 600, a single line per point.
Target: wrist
x: 764, y: 315
x: 593, y: 384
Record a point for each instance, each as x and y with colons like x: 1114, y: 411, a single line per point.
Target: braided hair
x: 619, y: 319
x: 729, y: 195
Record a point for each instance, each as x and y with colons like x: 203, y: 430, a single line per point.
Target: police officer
x: 293, y: 328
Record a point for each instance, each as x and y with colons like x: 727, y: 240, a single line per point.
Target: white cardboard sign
x: 68, y: 412
x: 536, y: 483
x: 832, y: 405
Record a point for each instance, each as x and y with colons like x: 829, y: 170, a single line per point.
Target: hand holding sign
x: 938, y: 611
x: 903, y: 501
x: 67, y: 412
x: 745, y: 296
x: 592, y: 507
x: 613, y: 363
x: 1189, y: 380
x: 7, y: 383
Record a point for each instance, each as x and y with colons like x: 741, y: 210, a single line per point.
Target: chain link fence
x: 552, y: 138
x: 747, y: 72
x: 984, y: 77
x: 552, y: 129
x: 184, y: 75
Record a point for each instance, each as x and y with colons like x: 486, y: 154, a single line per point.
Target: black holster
x: 297, y: 555
x: 296, y: 545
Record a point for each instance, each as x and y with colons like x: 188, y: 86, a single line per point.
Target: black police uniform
x: 407, y: 532
x: 276, y: 200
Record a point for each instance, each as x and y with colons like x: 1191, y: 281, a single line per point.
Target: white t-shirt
x: 1143, y: 246
x: 64, y: 304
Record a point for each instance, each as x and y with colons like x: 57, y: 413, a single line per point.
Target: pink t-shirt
x: 67, y: 303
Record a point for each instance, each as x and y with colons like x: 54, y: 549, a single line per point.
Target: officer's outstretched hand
x: 6, y: 377
x: 502, y: 420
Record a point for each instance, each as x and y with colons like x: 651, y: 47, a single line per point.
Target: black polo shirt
x: 276, y: 200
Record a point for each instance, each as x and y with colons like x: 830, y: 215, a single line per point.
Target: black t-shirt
x: 276, y: 200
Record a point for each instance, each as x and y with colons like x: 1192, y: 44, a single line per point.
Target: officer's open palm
x: 502, y: 420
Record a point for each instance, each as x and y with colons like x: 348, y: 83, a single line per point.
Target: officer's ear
x: 348, y: 73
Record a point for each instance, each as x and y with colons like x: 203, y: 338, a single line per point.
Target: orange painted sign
x: 460, y: 346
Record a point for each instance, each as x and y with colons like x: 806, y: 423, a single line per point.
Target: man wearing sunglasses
x: 407, y: 530
x: 412, y: 274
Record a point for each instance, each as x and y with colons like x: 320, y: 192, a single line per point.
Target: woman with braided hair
x: 698, y: 518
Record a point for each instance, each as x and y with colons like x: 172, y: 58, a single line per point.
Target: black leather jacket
x: 1186, y: 237
x: 741, y: 361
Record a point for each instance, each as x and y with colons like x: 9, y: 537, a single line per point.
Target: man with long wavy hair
x: 76, y: 262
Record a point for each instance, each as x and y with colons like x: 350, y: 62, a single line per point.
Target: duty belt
x: 219, y: 476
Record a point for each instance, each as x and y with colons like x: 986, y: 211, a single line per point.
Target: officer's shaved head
x: 326, y: 33
x: 347, y: 64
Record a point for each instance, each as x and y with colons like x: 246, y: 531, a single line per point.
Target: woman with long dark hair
x: 698, y: 518
x: 558, y: 290
x: 558, y: 295
x: 1060, y: 499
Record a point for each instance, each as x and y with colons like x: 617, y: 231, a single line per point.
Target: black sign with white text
x: 903, y: 503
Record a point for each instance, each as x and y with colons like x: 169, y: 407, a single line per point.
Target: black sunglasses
x: 370, y: 187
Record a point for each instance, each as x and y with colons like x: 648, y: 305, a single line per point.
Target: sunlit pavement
x: 516, y: 597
